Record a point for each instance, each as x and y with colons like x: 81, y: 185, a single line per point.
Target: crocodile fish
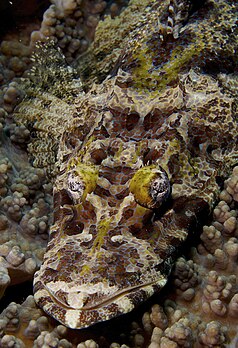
x: 141, y: 158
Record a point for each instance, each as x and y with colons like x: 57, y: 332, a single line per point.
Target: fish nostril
x: 132, y: 120
x: 62, y: 197
x: 98, y: 155
x: 73, y: 227
x: 151, y: 156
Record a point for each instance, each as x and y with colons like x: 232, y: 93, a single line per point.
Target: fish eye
x: 81, y: 180
x: 73, y: 184
x: 150, y: 186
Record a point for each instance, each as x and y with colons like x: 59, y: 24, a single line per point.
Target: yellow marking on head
x: 134, y: 158
x: 119, y: 151
x: 102, y: 229
x: 85, y: 269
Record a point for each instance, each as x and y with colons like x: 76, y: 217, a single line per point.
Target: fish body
x: 140, y: 159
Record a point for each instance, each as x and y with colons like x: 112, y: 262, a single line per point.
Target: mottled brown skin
x: 107, y: 251
x: 139, y: 166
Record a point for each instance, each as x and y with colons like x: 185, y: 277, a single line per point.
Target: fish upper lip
x: 104, y: 302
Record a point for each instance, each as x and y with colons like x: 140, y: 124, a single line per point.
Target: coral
x: 180, y: 83
x: 72, y: 24
x: 11, y: 96
x: 25, y: 204
x: 14, y: 60
x: 15, y: 44
x: 4, y: 280
x: 88, y: 344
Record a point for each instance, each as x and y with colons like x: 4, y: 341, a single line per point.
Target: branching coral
x: 25, y: 206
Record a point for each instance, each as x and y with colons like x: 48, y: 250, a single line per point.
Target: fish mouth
x: 99, y: 300
x: 78, y: 306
